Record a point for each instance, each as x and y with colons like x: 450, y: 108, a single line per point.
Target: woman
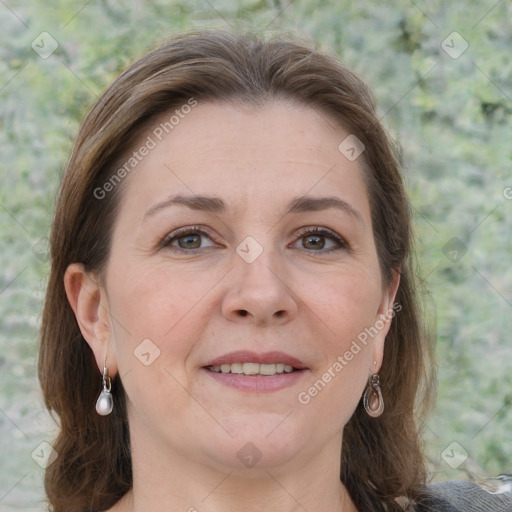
x: 231, y: 304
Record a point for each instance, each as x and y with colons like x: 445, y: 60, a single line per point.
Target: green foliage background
x: 452, y: 117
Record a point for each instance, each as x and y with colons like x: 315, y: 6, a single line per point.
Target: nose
x: 259, y: 293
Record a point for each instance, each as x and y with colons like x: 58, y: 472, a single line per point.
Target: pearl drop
x: 104, y: 404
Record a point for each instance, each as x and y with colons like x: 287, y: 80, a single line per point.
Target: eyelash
x: 197, y: 230
x: 327, y: 233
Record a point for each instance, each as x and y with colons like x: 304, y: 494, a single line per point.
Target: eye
x: 312, y: 239
x: 188, y: 239
x: 316, y: 239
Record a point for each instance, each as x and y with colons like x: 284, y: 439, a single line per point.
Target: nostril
x: 243, y: 312
x: 279, y: 313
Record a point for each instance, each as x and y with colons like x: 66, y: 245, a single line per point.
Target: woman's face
x: 244, y: 243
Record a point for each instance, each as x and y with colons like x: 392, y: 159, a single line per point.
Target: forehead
x: 265, y: 153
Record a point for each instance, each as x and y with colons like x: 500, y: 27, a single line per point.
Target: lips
x: 262, y: 358
x: 252, y: 368
x: 253, y: 372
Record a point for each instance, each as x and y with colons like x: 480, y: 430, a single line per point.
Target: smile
x: 252, y: 368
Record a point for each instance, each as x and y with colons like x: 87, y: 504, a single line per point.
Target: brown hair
x: 381, y: 458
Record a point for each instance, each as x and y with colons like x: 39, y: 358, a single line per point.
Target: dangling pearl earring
x: 105, y: 402
x: 372, y: 398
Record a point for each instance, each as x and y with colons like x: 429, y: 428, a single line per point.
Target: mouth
x: 256, y: 372
x: 253, y: 369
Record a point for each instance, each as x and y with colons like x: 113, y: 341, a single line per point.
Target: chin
x: 262, y: 441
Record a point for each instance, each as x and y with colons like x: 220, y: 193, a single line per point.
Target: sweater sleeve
x: 470, y: 497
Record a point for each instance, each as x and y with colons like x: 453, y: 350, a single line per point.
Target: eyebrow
x: 217, y: 205
x: 314, y: 204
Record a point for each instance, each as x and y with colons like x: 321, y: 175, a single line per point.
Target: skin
x: 296, y: 297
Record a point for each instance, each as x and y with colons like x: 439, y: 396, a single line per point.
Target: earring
x: 105, y: 403
x: 372, y: 398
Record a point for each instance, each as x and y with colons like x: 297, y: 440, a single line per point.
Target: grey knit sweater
x: 468, y: 497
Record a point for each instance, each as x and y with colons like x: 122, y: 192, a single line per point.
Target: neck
x: 183, y: 485
x: 231, y: 493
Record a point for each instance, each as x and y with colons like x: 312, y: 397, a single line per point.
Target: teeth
x: 252, y: 368
x: 237, y: 368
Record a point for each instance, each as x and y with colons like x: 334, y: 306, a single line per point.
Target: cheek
x: 156, y: 301
x: 346, y: 307
x: 156, y: 316
x: 347, y: 303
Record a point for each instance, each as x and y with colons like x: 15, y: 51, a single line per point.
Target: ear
x: 385, y: 314
x: 88, y: 300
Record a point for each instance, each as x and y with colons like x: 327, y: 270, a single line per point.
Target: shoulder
x: 470, y: 497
